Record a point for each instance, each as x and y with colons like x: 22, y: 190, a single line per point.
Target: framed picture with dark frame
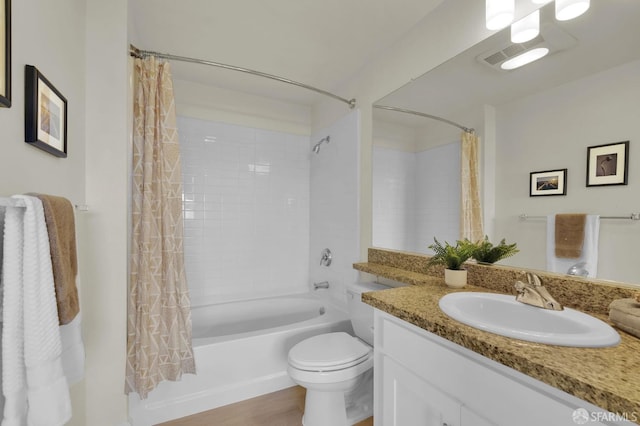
x: 5, y: 53
x: 548, y: 182
x: 45, y: 124
x: 608, y: 164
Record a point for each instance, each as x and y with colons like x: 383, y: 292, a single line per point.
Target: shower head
x: 316, y: 147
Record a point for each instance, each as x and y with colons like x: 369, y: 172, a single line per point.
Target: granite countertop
x: 606, y: 377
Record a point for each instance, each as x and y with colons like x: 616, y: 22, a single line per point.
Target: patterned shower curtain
x: 159, y: 310
x: 470, y: 207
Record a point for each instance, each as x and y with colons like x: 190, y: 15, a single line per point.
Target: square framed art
x: 548, y: 182
x: 45, y: 114
x: 608, y: 164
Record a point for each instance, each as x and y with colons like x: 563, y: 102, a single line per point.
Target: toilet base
x: 324, y: 408
x: 339, y: 408
x: 359, y: 401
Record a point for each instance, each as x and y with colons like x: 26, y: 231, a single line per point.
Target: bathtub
x: 240, y: 350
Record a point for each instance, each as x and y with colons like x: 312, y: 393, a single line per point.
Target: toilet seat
x: 328, y: 352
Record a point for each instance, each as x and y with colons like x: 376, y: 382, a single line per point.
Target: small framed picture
x: 45, y: 114
x: 5, y: 53
x: 608, y: 164
x: 548, y: 182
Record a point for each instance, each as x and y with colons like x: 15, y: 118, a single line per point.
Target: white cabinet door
x: 410, y: 401
x: 470, y: 418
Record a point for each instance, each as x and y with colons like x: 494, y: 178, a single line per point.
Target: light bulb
x: 499, y: 13
x: 526, y: 28
x: 569, y: 9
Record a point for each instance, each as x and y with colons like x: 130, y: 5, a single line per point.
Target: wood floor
x: 282, y: 408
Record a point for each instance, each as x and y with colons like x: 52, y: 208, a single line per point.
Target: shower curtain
x: 470, y: 208
x: 159, y: 310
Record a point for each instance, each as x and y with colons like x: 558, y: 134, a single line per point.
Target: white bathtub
x: 241, y: 352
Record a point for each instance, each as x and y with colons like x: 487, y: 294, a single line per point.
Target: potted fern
x: 453, y: 258
x: 485, y: 252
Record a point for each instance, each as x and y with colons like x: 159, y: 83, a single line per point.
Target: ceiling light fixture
x: 499, y: 13
x: 525, y: 58
x: 569, y: 9
x: 526, y: 28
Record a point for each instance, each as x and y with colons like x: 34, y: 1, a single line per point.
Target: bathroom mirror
x: 542, y: 116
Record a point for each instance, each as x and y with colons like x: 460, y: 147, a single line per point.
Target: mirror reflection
x: 540, y: 117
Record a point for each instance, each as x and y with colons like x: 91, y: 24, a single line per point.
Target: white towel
x: 73, y: 356
x: 589, y: 247
x: 35, y: 388
x: 13, y: 369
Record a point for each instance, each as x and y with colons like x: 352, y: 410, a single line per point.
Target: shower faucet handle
x: 325, y: 257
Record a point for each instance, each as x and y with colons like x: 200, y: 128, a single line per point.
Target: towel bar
x: 632, y: 216
x: 13, y: 202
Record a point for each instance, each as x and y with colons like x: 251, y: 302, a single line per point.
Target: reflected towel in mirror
x: 589, y: 247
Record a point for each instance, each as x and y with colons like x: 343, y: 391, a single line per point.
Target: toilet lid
x: 331, y: 351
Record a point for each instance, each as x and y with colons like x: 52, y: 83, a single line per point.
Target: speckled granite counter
x: 592, y: 296
x: 606, y: 377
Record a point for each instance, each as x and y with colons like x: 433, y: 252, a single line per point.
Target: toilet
x: 337, y: 368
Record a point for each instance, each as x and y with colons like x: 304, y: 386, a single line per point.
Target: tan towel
x: 570, y: 235
x: 58, y: 213
x: 625, y: 314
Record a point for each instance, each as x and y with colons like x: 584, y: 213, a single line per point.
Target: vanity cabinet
x: 423, y: 379
x: 413, y: 400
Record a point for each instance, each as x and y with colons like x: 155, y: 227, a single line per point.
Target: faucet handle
x: 533, y: 279
x: 535, y: 294
x: 326, y: 257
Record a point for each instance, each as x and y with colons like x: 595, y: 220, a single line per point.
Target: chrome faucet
x: 533, y: 293
x: 579, y: 269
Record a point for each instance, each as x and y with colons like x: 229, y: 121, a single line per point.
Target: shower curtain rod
x: 139, y: 53
x: 422, y: 114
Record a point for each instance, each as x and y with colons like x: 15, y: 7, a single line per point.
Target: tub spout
x: 323, y: 284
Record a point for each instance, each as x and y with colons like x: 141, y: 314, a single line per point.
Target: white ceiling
x: 317, y: 42
x: 607, y: 35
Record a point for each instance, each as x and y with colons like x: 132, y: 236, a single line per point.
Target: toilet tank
x: 360, y: 313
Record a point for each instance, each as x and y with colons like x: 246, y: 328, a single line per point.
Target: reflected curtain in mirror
x: 159, y: 312
x: 470, y: 207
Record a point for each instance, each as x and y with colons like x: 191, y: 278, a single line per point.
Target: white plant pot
x: 455, y: 278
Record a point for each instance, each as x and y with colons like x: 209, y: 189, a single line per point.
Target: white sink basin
x: 502, y: 314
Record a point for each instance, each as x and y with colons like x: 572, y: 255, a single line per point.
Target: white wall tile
x: 334, y: 204
x: 438, y: 208
x: 246, y: 206
x: 394, y: 194
x: 416, y: 197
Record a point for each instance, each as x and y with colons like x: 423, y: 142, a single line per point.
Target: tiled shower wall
x: 335, y: 221
x: 394, y: 198
x: 416, y: 197
x: 438, y: 186
x: 246, y: 211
